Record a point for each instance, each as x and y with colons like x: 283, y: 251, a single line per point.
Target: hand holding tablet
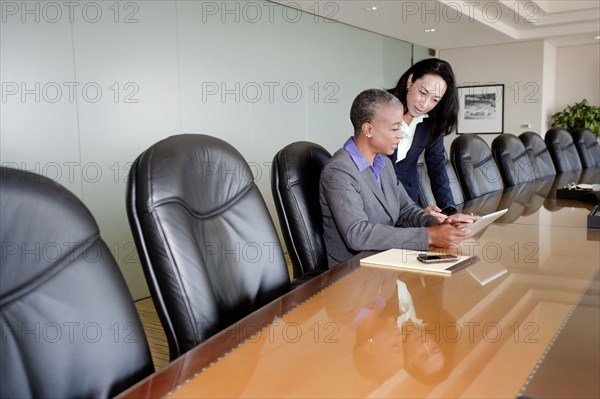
x: 459, y: 227
x: 474, y: 224
x: 462, y: 219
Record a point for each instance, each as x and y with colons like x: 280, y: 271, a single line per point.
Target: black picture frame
x: 481, y: 109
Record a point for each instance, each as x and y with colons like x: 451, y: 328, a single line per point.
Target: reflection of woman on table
x: 378, y: 314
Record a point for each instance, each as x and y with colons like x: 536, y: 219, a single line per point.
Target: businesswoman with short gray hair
x: 364, y: 205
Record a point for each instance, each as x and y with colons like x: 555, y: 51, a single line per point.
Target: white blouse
x: 409, y: 134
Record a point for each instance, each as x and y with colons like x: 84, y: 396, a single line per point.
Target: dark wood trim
x: 189, y: 364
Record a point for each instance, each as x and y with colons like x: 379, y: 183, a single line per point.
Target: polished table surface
x: 522, y: 321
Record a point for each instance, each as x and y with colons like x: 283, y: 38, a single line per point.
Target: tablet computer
x: 485, y: 221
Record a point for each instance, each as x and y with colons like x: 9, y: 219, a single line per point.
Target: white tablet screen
x: 485, y: 221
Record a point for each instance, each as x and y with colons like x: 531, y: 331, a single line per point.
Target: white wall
x: 539, y: 79
x: 577, y: 75
x: 549, y: 86
x: 520, y: 67
x: 85, y: 90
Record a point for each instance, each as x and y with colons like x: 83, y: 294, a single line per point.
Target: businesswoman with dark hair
x: 430, y: 97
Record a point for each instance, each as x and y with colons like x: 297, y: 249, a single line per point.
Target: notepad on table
x: 406, y: 259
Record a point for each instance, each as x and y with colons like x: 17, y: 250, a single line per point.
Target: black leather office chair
x: 540, y: 158
x: 475, y: 166
x: 295, y: 186
x: 69, y: 327
x: 426, y: 196
x: 512, y: 159
x: 562, y: 150
x: 206, y: 240
x: 587, y: 147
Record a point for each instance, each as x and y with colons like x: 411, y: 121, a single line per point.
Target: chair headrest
x: 559, y: 137
x: 300, y: 161
x: 533, y: 141
x: 179, y: 164
x: 508, y: 145
x: 585, y: 137
x: 44, y: 227
x: 472, y: 146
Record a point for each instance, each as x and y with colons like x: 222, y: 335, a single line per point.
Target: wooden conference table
x: 522, y: 321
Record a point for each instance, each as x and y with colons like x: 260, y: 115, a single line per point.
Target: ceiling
x: 468, y: 23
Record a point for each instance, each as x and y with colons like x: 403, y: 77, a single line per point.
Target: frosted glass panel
x: 256, y: 74
x: 134, y: 67
x: 38, y: 121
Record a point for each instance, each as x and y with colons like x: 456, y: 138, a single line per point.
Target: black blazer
x: 406, y: 170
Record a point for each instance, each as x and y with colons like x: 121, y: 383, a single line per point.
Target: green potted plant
x: 582, y: 114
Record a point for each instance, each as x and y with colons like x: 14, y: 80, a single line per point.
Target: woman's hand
x: 461, y: 220
x: 452, y: 230
x: 445, y: 235
x: 437, y: 212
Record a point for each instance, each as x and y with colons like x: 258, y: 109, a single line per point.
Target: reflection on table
x: 536, y: 203
x: 369, y: 332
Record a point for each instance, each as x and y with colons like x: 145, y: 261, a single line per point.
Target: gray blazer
x: 357, y: 216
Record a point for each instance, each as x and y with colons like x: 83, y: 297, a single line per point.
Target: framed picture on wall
x: 481, y: 109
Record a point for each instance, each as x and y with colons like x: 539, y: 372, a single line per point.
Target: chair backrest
x: 69, y: 327
x: 475, y: 166
x: 562, y: 150
x: 511, y: 156
x: 426, y: 196
x: 295, y: 186
x: 207, y: 243
x: 538, y: 154
x: 587, y: 147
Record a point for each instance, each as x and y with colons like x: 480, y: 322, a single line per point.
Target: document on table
x: 406, y: 259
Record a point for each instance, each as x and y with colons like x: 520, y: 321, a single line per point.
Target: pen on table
x: 463, y: 264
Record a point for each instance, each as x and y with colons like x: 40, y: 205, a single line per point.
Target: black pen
x: 461, y: 265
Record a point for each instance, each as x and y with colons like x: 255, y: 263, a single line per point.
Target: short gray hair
x: 365, y: 106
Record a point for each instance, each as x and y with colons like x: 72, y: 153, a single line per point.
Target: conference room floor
x: 159, y: 348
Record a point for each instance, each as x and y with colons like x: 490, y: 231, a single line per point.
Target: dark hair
x: 365, y: 106
x: 447, y: 349
x: 444, y: 117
